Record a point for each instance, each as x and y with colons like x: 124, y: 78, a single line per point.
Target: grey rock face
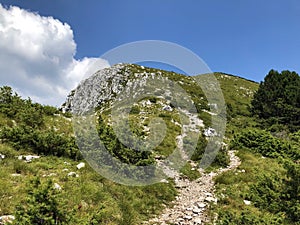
x: 104, y: 85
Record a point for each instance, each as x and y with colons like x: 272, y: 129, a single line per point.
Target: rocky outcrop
x: 103, y: 86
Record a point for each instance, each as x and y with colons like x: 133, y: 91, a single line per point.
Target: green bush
x: 42, y: 206
x: 40, y: 142
x: 263, y: 142
x: 247, y: 217
x: 292, y: 191
x: 50, y: 110
x: 135, y: 110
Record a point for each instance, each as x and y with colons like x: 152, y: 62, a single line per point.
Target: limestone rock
x: 80, y: 165
x: 6, y: 219
x: 28, y: 158
x: 57, y: 186
x: 196, y: 210
x: 73, y: 174
x: 247, y: 202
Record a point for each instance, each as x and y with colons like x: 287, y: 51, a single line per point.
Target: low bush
x: 263, y: 142
x: 40, y: 142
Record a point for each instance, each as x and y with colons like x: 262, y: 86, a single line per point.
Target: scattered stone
x: 196, y: 210
x: 28, y: 158
x: 164, y: 181
x: 65, y: 170
x: 201, y: 205
x: 210, y: 199
x: 2, y: 156
x: 197, y: 221
x: 191, y: 203
x: 159, y: 157
x: 168, y: 108
x: 247, y: 202
x: 210, y: 132
x: 16, y: 175
x: 6, y: 219
x: 67, y: 163
x: 57, y: 186
x: 207, y: 194
x: 73, y: 174
x: 80, y: 165
x: 213, y: 105
x: 188, y: 217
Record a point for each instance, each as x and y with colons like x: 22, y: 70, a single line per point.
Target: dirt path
x: 190, y: 206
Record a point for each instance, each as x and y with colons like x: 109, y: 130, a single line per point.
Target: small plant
x: 42, y: 206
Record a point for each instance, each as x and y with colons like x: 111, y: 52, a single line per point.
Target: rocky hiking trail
x: 192, y: 203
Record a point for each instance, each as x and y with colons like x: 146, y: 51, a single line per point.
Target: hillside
x: 46, y: 136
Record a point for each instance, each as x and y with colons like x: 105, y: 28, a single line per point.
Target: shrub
x: 40, y: 142
x: 42, y: 206
x: 50, y: 110
x: 135, y: 110
x: 263, y: 142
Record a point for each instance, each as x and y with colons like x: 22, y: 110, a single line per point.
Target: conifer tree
x: 277, y: 99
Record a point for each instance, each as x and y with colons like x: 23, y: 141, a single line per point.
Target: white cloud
x: 37, y: 56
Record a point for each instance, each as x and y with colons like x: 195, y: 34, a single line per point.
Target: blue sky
x: 245, y: 38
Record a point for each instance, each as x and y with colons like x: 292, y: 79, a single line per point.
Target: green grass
x: 234, y: 187
x: 94, y: 198
x: 115, y: 203
x: 190, y: 172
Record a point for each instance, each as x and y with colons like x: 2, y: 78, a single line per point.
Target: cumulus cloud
x: 37, y: 56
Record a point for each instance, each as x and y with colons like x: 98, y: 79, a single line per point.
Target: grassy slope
x: 234, y: 187
x: 89, y: 195
x: 117, y: 204
x: 238, y: 93
x: 96, y: 196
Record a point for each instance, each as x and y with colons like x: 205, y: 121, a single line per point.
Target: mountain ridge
x: 47, y: 136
